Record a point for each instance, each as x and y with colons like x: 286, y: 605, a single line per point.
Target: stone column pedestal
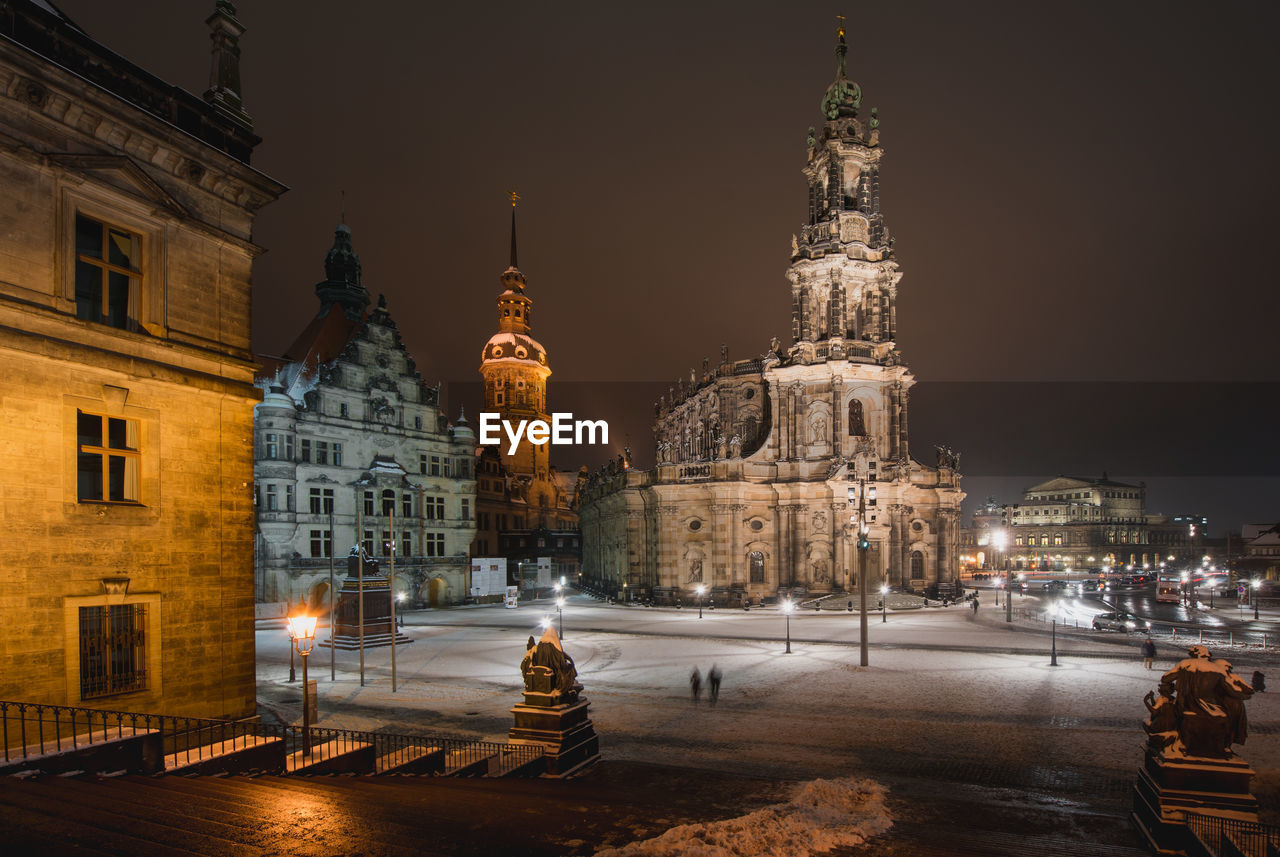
x: 558, y: 722
x: 1167, y: 788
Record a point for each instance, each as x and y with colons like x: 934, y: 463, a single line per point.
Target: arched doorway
x: 319, y: 597
x: 436, y: 592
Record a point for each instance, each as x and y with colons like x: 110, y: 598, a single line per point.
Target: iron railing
x: 1231, y: 639
x: 1228, y: 837
x: 32, y: 730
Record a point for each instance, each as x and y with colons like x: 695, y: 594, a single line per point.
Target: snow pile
x: 823, y: 814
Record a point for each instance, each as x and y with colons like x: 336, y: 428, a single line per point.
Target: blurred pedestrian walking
x: 695, y: 684
x: 1148, y: 652
x: 713, y: 678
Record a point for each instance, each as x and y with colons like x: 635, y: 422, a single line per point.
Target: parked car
x: 1120, y: 620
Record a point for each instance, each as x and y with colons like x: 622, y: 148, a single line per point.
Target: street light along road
x: 302, y: 630
x: 787, y: 607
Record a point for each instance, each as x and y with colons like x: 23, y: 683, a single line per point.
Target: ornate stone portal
x: 554, y: 713
x: 1189, y: 765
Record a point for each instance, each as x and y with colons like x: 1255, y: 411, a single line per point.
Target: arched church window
x: 756, y: 562
x: 917, y: 564
x: 857, y: 427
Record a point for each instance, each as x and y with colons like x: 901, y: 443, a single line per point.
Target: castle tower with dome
x: 526, y: 510
x: 515, y: 369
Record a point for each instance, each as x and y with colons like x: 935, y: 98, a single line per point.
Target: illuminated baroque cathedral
x: 750, y: 496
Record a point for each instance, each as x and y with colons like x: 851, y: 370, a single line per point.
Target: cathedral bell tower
x: 515, y: 371
x: 843, y: 277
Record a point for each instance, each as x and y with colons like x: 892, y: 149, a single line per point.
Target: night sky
x: 1078, y: 194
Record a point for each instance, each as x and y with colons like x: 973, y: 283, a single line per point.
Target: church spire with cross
x: 514, y: 365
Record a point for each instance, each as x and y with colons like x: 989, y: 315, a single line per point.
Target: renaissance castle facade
x: 751, y: 494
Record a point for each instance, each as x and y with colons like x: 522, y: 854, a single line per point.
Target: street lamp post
x: 302, y: 630
x: 560, y: 615
x: 700, y: 590
x: 1053, y: 657
x: 884, y: 604
x: 787, y: 607
x: 998, y: 540
x: 1257, y: 584
x: 865, y: 496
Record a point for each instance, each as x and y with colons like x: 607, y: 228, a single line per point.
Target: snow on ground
x: 997, y: 705
x: 821, y: 815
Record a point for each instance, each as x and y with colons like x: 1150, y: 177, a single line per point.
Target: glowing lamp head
x: 1257, y: 583
x: 560, y: 603
x: 301, y: 627
x: 302, y: 630
x: 884, y: 590
x: 788, y: 606
x: 700, y: 589
x: 546, y: 622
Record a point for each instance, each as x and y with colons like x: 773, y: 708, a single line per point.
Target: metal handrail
x: 1250, y: 838
x: 1265, y: 640
x: 30, y: 730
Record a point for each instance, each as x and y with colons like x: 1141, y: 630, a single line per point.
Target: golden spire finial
x: 840, y: 18
x: 514, y: 197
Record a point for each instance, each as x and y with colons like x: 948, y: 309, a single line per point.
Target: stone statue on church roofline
x: 1200, y: 711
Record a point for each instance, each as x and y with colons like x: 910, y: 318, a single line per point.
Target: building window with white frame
x: 320, y: 501
x: 434, y: 508
x: 321, y: 543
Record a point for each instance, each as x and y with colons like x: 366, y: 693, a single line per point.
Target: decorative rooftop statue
x: 1200, y: 709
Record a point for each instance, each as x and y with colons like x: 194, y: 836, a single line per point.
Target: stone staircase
x: 63, y: 740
